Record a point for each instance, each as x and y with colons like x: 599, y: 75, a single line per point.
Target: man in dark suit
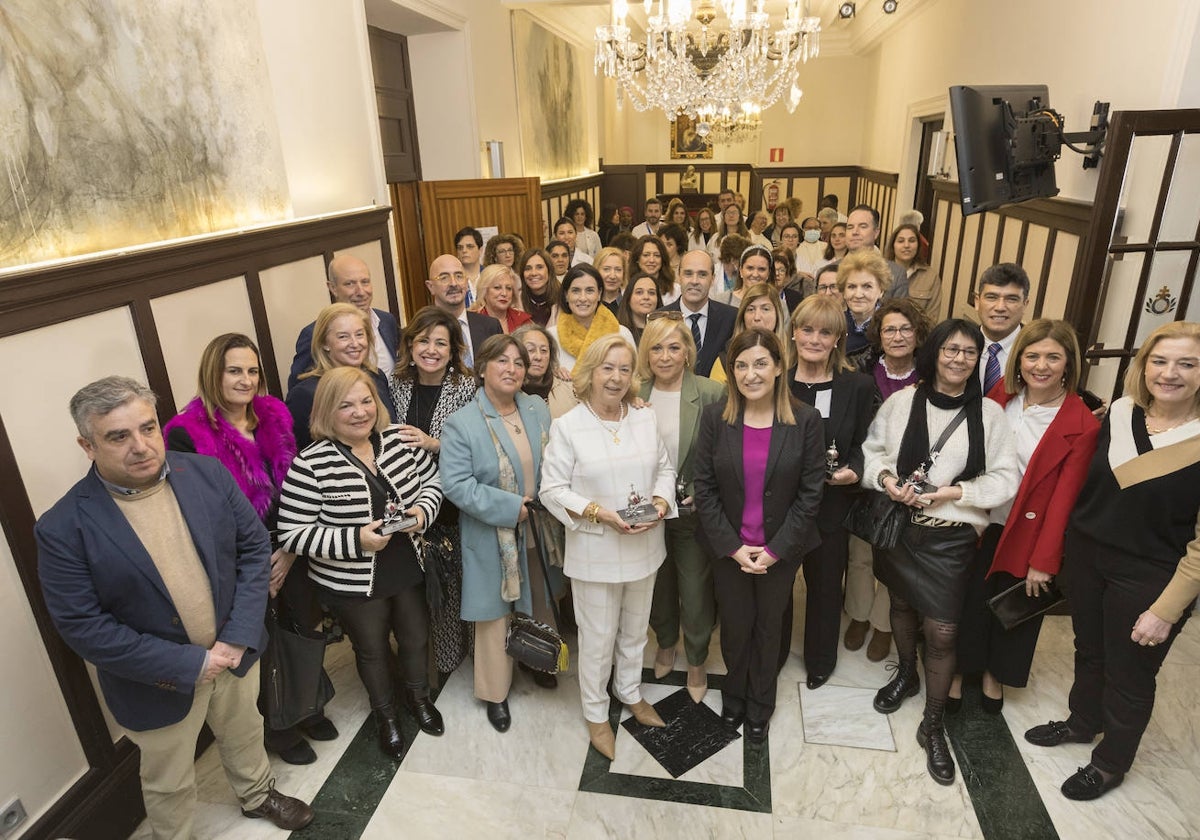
x: 156, y: 570
x: 350, y: 282
x: 447, y: 284
x: 711, y: 322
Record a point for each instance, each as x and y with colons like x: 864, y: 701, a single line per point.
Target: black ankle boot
x: 391, y: 741
x: 427, y: 715
x: 938, y: 759
x: 905, y: 684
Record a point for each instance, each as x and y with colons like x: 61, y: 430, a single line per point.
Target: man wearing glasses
x: 1001, y: 300
x: 447, y: 285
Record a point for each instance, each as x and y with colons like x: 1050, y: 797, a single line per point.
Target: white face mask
x: 812, y: 235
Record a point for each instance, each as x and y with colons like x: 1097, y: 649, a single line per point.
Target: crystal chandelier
x: 726, y: 127
x: 688, y: 64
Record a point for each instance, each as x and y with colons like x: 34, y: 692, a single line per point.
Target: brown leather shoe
x: 285, y: 812
x: 644, y: 713
x: 856, y: 634
x: 880, y: 646
x: 603, y: 740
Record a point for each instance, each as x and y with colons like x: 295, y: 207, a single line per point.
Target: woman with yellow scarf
x: 582, y: 320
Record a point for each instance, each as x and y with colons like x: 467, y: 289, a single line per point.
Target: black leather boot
x: 939, y: 761
x: 391, y: 740
x: 905, y: 684
x: 427, y: 715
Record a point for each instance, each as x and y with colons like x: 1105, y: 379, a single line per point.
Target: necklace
x: 516, y: 427
x: 604, y: 424
x: 1154, y: 430
x: 1046, y: 403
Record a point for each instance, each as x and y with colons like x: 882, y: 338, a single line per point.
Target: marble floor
x: 832, y: 767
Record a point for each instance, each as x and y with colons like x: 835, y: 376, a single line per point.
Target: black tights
x: 370, y: 625
x: 940, y: 652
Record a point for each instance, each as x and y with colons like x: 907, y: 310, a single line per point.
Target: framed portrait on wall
x: 686, y: 144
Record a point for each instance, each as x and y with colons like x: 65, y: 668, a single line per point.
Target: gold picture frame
x: 686, y: 144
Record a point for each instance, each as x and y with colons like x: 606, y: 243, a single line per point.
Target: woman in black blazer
x: 846, y: 402
x: 760, y: 470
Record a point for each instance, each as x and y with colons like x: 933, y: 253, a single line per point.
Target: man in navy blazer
x: 712, y: 321
x: 447, y: 286
x: 350, y: 282
x: 156, y: 570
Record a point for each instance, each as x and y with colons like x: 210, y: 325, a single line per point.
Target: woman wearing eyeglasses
x: 950, y: 493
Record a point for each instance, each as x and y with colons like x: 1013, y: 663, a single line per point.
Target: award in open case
x: 639, y: 510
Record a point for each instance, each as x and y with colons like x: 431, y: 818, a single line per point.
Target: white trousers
x: 612, y: 619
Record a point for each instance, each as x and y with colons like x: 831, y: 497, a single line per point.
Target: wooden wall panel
x: 556, y: 195
x: 514, y: 205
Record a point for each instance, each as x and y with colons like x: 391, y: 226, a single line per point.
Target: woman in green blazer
x: 683, y: 590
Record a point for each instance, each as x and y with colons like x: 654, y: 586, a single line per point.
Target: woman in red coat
x: 1056, y: 437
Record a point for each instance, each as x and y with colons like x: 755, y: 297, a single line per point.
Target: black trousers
x: 370, y: 624
x: 751, y: 609
x: 983, y: 643
x: 824, y: 568
x: 1115, y: 677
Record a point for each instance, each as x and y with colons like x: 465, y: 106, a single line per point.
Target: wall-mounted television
x: 1006, y: 140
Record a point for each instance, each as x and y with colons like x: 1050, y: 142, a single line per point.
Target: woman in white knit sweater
x: 950, y: 493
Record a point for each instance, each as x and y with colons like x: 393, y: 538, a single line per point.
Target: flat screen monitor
x: 1003, y: 157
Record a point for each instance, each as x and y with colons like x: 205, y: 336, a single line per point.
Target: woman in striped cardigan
x: 338, y: 500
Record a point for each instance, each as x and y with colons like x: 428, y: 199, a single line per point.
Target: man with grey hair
x: 349, y: 281
x: 155, y: 569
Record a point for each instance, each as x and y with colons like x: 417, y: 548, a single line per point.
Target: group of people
x: 691, y: 456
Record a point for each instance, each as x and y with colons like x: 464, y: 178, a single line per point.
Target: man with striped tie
x: 1001, y: 300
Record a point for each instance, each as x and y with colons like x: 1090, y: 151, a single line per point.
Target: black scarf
x: 914, y: 447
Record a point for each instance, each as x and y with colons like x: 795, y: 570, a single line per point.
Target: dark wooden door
x: 394, y: 101
x: 923, y: 198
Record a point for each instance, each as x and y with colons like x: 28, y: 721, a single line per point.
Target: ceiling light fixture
x: 889, y: 7
x: 846, y: 11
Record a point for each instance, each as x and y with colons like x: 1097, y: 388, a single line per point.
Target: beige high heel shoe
x: 664, y: 662
x: 697, y: 683
x: 645, y: 714
x: 603, y: 740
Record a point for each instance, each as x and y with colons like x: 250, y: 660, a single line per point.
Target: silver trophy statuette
x: 831, y: 459
x: 639, y: 509
x: 394, y: 519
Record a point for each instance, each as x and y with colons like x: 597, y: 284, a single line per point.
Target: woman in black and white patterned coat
x: 340, y: 496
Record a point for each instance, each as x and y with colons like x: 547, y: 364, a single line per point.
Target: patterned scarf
x: 510, y: 566
x: 575, y: 339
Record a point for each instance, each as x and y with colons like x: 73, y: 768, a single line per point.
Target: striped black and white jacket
x: 326, y: 500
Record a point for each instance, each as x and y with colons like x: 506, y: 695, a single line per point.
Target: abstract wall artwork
x: 550, y: 99
x: 125, y: 122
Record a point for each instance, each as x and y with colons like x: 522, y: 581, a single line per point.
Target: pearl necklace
x: 605, y: 424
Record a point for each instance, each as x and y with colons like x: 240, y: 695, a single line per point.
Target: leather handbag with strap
x: 529, y: 641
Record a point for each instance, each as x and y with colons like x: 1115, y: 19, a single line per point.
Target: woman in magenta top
x: 760, y: 470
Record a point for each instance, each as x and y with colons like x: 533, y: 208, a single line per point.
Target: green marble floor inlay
x: 1005, y: 799
x: 753, y: 795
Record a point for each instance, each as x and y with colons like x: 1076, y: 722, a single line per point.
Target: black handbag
x: 1013, y: 606
x: 873, y: 517
x: 297, y: 686
x: 533, y: 644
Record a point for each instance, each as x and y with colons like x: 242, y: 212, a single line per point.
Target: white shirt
x: 1028, y: 425
x: 383, y: 357
x: 1006, y: 345
x: 588, y: 241
x: 666, y: 412
x: 580, y: 257
x: 687, y: 318
x: 644, y: 229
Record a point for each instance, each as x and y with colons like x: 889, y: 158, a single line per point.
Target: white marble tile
x: 599, y: 816
x: 546, y: 745
x: 844, y: 717
x: 1152, y: 802
x: 723, y: 768
x: 790, y: 828
x: 419, y: 805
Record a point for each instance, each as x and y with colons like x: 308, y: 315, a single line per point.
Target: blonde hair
x: 1039, y: 330
x: 331, y: 390
x: 824, y: 313
x: 605, y: 253
x: 322, y: 361
x: 659, y: 330
x: 867, y: 261
x: 1135, y: 377
x: 490, y: 276
x: 593, y: 357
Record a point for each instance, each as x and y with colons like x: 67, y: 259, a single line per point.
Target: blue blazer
x: 471, y: 480
x: 111, y: 606
x: 389, y: 330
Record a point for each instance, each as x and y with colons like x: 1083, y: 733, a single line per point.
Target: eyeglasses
x: 891, y: 332
x: 669, y: 314
x: 446, y: 277
x: 950, y: 352
x: 826, y: 288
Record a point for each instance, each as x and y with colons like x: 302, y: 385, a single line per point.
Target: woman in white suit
x: 601, y: 453
x: 491, y: 459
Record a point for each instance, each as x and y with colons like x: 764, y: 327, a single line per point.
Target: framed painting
x: 686, y: 143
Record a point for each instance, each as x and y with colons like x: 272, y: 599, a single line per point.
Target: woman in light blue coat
x: 491, y: 461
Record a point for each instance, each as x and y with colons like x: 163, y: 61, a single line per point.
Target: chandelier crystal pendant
x: 692, y: 63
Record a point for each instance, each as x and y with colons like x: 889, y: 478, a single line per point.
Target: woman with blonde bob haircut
x: 1133, y: 556
x: 846, y: 401
x: 497, y: 293
x: 863, y: 278
x: 760, y: 466
x: 603, y: 457
x: 683, y: 589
